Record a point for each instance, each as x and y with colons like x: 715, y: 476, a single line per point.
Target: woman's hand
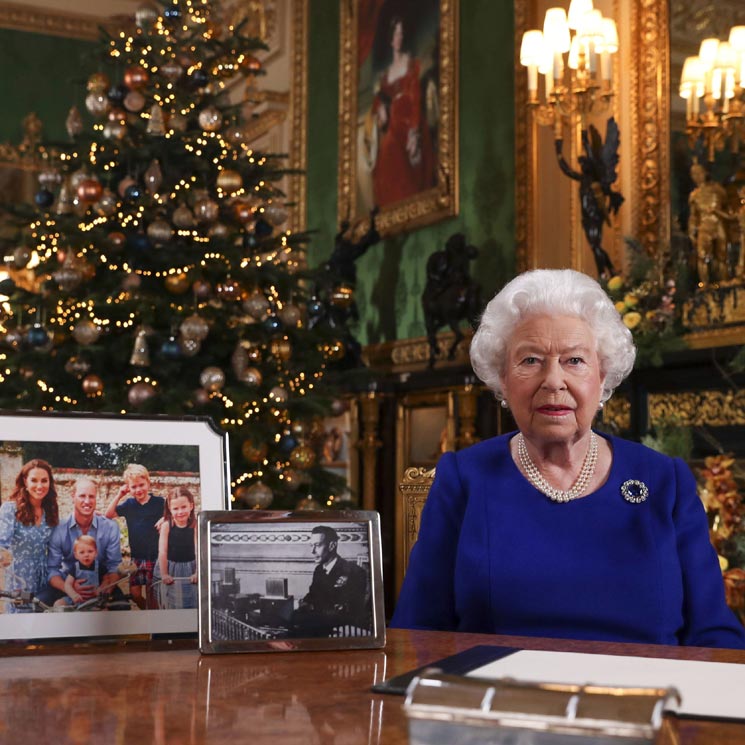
x: 6, y: 558
x: 194, y: 579
x: 168, y: 579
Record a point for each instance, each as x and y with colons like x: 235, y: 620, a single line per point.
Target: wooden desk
x: 143, y: 693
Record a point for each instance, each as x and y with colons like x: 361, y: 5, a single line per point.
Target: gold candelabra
x: 573, y: 54
x: 713, y: 85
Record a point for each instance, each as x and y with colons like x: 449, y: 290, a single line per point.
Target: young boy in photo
x: 85, y: 568
x: 142, y: 511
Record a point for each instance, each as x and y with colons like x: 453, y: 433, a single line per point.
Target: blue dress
x: 28, y: 544
x: 495, y: 555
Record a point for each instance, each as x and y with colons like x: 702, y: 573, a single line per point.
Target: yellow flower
x: 630, y: 299
x: 723, y: 563
x: 620, y: 306
x: 632, y: 319
x: 615, y: 283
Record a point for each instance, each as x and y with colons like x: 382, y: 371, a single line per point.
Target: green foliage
x: 671, y: 439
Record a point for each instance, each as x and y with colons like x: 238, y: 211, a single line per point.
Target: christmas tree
x: 164, y: 280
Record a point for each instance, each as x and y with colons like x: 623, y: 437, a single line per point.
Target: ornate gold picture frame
x: 398, y: 107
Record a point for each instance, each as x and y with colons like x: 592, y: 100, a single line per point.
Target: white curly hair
x: 552, y: 292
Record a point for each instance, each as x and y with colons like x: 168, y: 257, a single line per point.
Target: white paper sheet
x: 708, y: 689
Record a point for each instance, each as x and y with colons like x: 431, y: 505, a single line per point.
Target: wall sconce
x: 577, y: 68
x: 716, y: 74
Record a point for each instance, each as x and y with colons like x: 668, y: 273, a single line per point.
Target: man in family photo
x: 338, y: 595
x: 61, y: 557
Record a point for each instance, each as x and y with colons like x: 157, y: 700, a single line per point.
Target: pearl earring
x: 600, y: 405
x: 503, y: 403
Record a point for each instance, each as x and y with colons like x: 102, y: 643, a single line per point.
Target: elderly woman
x: 556, y: 530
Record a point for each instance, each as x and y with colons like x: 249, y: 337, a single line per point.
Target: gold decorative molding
x: 298, y: 162
x: 51, y: 22
x: 524, y: 170
x: 650, y: 133
x: 263, y: 123
x: 698, y: 408
x: 414, y: 489
x: 410, y: 355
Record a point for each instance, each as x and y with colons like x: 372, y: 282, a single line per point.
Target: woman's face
x: 552, y: 379
x: 397, y: 37
x: 37, y: 484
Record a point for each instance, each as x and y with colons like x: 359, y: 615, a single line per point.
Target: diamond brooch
x: 634, y: 491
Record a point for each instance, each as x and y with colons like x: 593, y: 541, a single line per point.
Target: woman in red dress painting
x: 404, y: 163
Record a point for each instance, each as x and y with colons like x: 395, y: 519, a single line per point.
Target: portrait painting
x: 398, y: 129
x: 288, y: 581
x: 99, y: 514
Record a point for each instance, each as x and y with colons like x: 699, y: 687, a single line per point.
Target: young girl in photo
x: 177, y: 556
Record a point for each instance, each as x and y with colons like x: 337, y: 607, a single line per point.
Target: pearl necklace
x: 557, y: 495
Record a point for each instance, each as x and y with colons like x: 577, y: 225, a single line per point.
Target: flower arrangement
x: 645, y: 298
x: 725, y: 506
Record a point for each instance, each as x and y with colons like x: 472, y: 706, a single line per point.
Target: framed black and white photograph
x: 98, y: 514
x: 289, y: 581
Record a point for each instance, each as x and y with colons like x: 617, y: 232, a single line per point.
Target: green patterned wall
x: 391, y: 276
x: 43, y: 74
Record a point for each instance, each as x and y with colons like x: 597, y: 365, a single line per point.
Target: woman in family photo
x: 26, y: 522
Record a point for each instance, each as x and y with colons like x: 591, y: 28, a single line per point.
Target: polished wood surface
x: 166, y: 693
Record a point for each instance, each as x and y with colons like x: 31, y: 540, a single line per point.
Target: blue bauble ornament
x: 171, y: 349
x: 139, y: 241
x: 262, y: 228
x: 199, y: 78
x: 286, y: 444
x: 44, y: 198
x: 37, y: 336
x: 315, y: 307
x: 272, y: 324
x: 173, y: 12
x: 117, y: 93
x: 133, y: 193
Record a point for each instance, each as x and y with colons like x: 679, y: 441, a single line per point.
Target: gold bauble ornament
x: 177, y: 284
x: 281, y: 349
x: 171, y: 70
x: 257, y: 305
x: 210, y: 119
x: 279, y: 395
x: 98, y: 82
x: 77, y: 366
x: 229, y: 180
x: 258, y: 496
x: 252, y: 452
x: 86, y: 332
x: 182, y: 217
x: 107, y: 203
x: 136, y: 77
x: 153, y: 177
x: 194, y: 327
x: 290, y: 315
x: 90, y: 190
x: 243, y: 211
x: 159, y: 231
x: 252, y: 376
x: 308, y: 504
x: 303, y: 457
x: 92, y: 386
x: 206, y: 209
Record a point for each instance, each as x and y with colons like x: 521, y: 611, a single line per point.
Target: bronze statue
x: 450, y: 295
x: 596, y: 175
x: 706, y: 226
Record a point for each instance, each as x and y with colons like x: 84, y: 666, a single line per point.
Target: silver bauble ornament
x: 107, y: 204
x: 182, y: 217
x: 258, y: 496
x: 252, y: 376
x: 74, y: 122
x: 134, y: 101
x: 139, y: 393
x: 194, y: 327
x: 210, y: 119
x: 256, y: 305
x: 159, y: 232
x: 153, y: 177
x: 98, y: 104
x: 86, y: 332
x: 212, y: 378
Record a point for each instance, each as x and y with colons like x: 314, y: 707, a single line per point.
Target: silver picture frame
x: 187, y: 452
x: 290, y: 581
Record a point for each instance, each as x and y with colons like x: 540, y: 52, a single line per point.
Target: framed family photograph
x: 398, y: 118
x: 279, y: 581
x: 98, y: 514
